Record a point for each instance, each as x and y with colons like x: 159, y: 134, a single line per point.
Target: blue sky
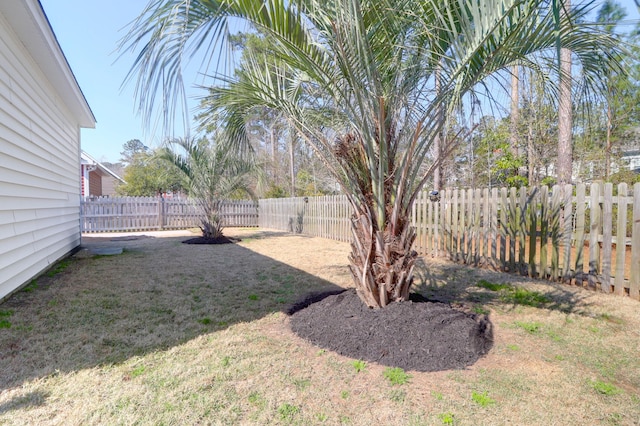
x: 88, y: 32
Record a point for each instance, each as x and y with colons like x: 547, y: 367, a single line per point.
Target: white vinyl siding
x: 39, y: 168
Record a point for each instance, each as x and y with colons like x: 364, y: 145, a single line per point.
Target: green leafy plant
x: 138, y: 371
x: 492, y: 286
x: 256, y: 399
x: 359, y: 365
x: 205, y: 321
x: 482, y: 399
x: 396, y: 375
x: 530, y: 327
x: 322, y: 417
x: 526, y: 297
x: 226, y: 361
x: 604, y: 388
x: 59, y: 267
x: 31, y: 286
x: 398, y: 395
x: 4, y: 323
x: 253, y: 297
x: 446, y: 418
x: 288, y: 411
x: 516, y: 295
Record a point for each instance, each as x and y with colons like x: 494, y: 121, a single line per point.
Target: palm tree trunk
x: 381, y: 261
x: 291, y: 163
x: 515, y: 113
x: 274, y: 163
x: 607, y: 151
x: 437, y: 143
x: 565, y: 117
x: 531, y: 157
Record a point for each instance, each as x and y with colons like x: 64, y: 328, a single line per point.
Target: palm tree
x: 213, y: 174
x: 356, y: 79
x: 565, y: 115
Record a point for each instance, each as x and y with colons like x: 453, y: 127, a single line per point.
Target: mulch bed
x: 414, y: 335
x: 205, y: 240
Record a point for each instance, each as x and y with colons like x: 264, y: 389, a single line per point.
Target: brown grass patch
x: 169, y: 333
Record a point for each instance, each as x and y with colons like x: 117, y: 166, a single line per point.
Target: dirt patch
x: 413, y: 335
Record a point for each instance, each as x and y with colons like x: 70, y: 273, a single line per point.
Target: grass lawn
x: 168, y: 333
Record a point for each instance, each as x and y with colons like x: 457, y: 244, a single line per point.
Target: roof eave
x: 32, y: 27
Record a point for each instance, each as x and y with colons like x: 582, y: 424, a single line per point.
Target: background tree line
x: 513, y: 143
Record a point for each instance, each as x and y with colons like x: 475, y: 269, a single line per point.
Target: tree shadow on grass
x: 30, y: 400
x: 477, y: 289
x: 157, y: 294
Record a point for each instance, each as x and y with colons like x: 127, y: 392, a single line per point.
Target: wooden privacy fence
x: 581, y: 234
x: 326, y: 217
x: 105, y: 214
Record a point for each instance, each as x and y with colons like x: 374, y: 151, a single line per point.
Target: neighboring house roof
x: 32, y: 27
x: 101, y: 168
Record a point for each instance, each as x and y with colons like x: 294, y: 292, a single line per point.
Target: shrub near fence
x: 591, y: 238
x: 105, y: 214
x: 563, y: 233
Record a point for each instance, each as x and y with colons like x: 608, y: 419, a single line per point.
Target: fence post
x: 579, y: 240
x: 634, y: 283
x: 160, y: 212
x: 522, y: 231
x: 621, y: 238
x: 594, y: 232
x: 607, y: 225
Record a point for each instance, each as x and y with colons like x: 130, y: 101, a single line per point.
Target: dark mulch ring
x: 414, y: 335
x: 205, y: 240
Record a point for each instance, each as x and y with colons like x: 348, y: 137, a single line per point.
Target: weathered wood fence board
x: 326, y: 217
x: 106, y: 214
x: 540, y: 232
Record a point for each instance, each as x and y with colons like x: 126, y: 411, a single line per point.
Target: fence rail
x: 582, y: 234
x: 105, y: 214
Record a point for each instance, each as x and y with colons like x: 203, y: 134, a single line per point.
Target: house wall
x: 109, y: 184
x: 39, y: 163
x: 95, y: 184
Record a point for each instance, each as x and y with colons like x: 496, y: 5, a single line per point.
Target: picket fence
x: 106, y: 214
x: 580, y: 234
